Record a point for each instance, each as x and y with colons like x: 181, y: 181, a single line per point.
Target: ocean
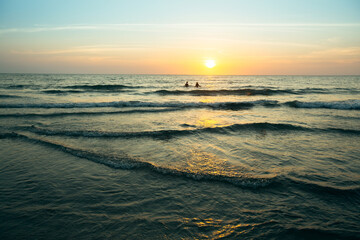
x: 143, y: 157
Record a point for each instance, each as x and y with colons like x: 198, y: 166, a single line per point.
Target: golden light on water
x: 208, y: 123
x: 210, y: 63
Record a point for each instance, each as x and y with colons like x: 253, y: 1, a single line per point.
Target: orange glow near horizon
x: 191, y: 59
x: 225, y: 38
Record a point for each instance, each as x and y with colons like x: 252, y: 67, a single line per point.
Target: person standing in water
x: 197, y: 84
x: 186, y: 84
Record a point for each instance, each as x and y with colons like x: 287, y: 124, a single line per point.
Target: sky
x: 243, y: 37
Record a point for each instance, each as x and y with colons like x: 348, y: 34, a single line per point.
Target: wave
x: 253, y: 91
x: 97, y: 87
x: 9, y: 96
x: 64, y: 114
x: 124, y: 104
x: 61, y: 91
x: 21, y: 86
x: 126, y: 162
x: 167, y: 134
x: 243, y: 91
x: 102, y: 87
x: 323, y: 187
x: 342, y: 105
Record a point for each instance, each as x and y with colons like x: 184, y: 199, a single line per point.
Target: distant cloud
x: 46, y: 29
x: 82, y: 49
x: 146, y: 26
x: 100, y: 49
x: 348, y: 54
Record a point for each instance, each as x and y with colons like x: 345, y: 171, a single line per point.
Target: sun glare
x: 210, y: 63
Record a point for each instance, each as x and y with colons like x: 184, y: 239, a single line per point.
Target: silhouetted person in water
x: 197, y: 84
x: 186, y: 84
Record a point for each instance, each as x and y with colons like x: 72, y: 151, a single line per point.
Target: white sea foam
x: 345, y: 105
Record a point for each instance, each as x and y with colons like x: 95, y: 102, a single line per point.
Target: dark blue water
x: 142, y: 157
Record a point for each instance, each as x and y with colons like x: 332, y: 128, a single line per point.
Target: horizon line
x: 183, y: 74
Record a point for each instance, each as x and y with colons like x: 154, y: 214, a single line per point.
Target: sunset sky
x: 177, y: 37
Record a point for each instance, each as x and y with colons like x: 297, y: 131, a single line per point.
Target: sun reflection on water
x: 208, y: 123
x: 218, y: 229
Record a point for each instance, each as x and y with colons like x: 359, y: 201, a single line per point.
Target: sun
x: 210, y: 63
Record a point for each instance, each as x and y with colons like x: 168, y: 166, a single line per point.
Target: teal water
x: 142, y: 157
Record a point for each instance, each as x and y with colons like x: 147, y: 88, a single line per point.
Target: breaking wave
x: 167, y: 134
x: 126, y: 162
x: 343, y: 105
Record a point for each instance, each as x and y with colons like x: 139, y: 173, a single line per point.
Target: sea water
x: 143, y: 157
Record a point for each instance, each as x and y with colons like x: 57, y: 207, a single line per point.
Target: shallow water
x: 140, y: 156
